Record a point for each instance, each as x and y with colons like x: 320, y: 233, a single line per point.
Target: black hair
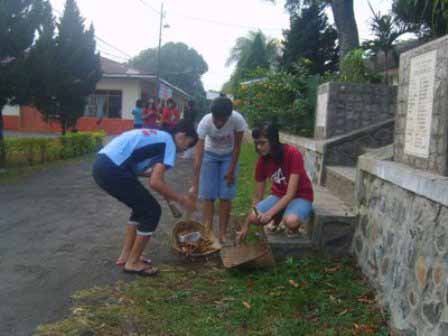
x: 187, y: 127
x: 222, y: 107
x: 270, y: 131
x: 171, y: 101
x: 139, y: 103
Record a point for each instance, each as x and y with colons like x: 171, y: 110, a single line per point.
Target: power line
x: 221, y: 23
x: 104, y: 41
x: 144, y: 3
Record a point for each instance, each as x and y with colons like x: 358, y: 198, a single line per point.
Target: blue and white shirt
x: 141, y: 149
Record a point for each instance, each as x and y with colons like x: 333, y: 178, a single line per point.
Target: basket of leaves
x: 192, y: 239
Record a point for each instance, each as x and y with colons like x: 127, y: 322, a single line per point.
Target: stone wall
x: 312, y: 152
x: 401, y: 242
x: 437, y: 158
x: 343, y: 107
x: 345, y: 150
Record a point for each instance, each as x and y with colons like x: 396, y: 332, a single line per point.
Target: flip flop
x: 145, y: 260
x: 150, y: 271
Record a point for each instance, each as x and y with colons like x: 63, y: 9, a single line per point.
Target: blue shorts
x: 212, y: 183
x: 297, y: 207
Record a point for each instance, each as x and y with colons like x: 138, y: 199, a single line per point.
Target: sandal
x: 149, y: 271
x: 147, y: 261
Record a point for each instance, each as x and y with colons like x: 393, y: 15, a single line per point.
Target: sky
x: 126, y: 27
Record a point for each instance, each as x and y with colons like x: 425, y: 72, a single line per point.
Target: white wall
x: 131, y: 91
x: 9, y: 110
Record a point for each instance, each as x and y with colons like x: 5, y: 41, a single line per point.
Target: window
x: 104, y: 104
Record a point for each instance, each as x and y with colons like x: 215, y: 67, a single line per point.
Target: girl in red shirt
x: 170, y: 115
x: 150, y: 115
x: 291, y: 198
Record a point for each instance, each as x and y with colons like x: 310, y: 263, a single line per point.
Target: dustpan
x: 255, y: 252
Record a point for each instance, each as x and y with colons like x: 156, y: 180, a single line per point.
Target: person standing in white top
x: 216, y: 161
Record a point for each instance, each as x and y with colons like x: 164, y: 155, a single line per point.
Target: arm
x: 293, y: 185
x: 158, y: 183
x: 197, y: 164
x: 235, y: 157
x: 259, y: 192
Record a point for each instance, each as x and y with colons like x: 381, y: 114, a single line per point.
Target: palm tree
x: 245, y: 44
x: 386, y: 30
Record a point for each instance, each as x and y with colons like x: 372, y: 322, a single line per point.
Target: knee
x: 291, y: 222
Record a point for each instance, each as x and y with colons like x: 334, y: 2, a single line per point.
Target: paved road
x: 60, y: 233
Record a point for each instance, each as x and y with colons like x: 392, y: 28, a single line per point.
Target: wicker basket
x: 191, y: 226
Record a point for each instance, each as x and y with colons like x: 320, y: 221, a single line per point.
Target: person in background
x: 216, y: 161
x: 137, y: 112
x: 291, y: 198
x: 190, y: 112
x: 170, y: 115
x: 150, y: 115
x: 149, y: 153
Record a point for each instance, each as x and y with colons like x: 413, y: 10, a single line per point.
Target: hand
x: 188, y: 203
x: 193, y: 191
x: 241, y: 235
x: 264, y: 218
x: 230, y: 177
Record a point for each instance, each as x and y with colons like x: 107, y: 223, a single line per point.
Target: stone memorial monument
x: 421, y: 128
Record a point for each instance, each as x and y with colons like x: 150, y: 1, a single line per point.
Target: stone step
x: 340, y: 181
x: 330, y: 229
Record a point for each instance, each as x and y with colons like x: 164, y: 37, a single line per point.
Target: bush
x: 353, y: 69
x: 31, y: 151
x: 284, y: 98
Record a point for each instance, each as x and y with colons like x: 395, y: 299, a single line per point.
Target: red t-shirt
x: 279, y: 173
x: 170, y: 116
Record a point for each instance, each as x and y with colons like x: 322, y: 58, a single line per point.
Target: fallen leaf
x: 365, y: 300
x: 333, y: 269
x: 332, y: 298
x: 293, y: 283
x: 250, y: 283
x: 247, y: 305
x: 345, y: 311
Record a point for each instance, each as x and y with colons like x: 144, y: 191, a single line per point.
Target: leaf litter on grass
x: 213, y: 301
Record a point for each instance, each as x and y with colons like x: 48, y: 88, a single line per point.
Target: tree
x: 19, y: 20
x: 75, y: 73
x: 250, y: 53
x: 180, y: 65
x: 425, y: 17
x: 344, y: 17
x: 312, y: 38
x: 386, y: 31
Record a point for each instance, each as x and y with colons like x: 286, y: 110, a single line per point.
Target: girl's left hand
x: 264, y: 218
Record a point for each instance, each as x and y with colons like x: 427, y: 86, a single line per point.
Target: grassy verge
x: 311, y: 296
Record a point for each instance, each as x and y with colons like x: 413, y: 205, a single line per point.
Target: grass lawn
x: 310, y: 296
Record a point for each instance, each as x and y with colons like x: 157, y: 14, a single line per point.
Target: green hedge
x: 31, y: 151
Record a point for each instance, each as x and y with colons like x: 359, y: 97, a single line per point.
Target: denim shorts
x: 212, y: 183
x: 297, y: 207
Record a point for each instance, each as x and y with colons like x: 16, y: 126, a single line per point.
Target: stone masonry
x: 343, y: 107
x: 401, y: 243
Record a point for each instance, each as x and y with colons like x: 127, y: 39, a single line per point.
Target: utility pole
x: 158, y: 50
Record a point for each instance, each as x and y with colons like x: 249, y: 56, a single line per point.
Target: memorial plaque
x: 420, y: 105
x: 322, y: 106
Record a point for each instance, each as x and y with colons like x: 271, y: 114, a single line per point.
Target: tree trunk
x: 344, y: 17
x: 2, y: 147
